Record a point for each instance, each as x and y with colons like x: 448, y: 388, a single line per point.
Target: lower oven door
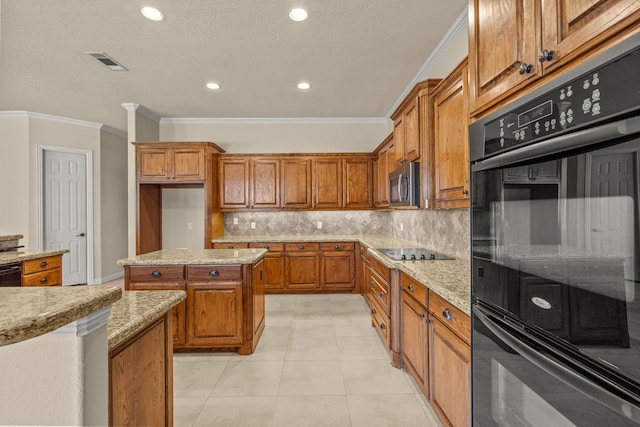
x: 517, y: 384
x: 11, y: 275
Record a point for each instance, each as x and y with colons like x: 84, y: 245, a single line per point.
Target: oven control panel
x: 611, y: 89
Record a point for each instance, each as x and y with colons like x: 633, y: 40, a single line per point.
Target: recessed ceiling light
x: 304, y: 86
x: 298, y: 14
x: 152, y: 13
x: 213, y: 86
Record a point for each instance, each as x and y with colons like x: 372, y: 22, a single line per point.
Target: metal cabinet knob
x: 410, y: 287
x: 230, y: 247
x: 525, y: 68
x: 214, y: 273
x: 373, y: 285
x: 44, y: 280
x: 373, y: 311
x: 43, y: 264
x: 337, y: 246
x: 546, y: 55
x: 382, y: 326
x: 301, y: 247
x: 381, y: 295
x: 447, y: 314
x: 156, y: 273
x: 266, y: 247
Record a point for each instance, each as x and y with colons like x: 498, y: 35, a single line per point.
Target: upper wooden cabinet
x: 234, y: 183
x: 296, y: 183
x: 514, y: 42
x: 358, y: 180
x: 162, y: 162
x: 451, y: 141
x: 265, y: 183
x: 381, y: 174
x: 327, y: 183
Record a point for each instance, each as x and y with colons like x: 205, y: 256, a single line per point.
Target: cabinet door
x: 273, y: 266
x: 234, y: 185
x: 214, y: 314
x: 337, y: 270
x: 397, y: 155
x: 257, y: 281
x: 153, y: 164
x: 358, y: 183
x: 449, y: 375
x: 296, y: 183
x: 503, y: 37
x: 177, y: 312
x: 573, y: 27
x: 188, y: 164
x: 327, y: 183
x: 301, y: 270
x: 265, y: 183
x: 414, y: 341
x: 382, y: 178
x: 412, y: 132
x: 451, y: 146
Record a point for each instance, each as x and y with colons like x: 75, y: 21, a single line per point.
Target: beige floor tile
x: 312, y: 348
x: 272, y: 345
x: 373, y: 377
x: 249, y: 378
x: 361, y: 348
x: 313, y: 326
x: 187, y: 409
x: 318, y: 378
x: 312, y: 411
x: 386, y: 410
x: 245, y: 411
x: 196, y: 376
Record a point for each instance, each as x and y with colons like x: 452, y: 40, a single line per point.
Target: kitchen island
x: 224, y: 308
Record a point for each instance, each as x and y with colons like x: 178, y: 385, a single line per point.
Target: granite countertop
x: 451, y: 279
x: 19, y: 256
x: 196, y: 256
x: 30, y: 312
x: 11, y: 237
x: 136, y: 310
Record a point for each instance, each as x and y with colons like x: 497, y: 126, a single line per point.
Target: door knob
x: 80, y: 235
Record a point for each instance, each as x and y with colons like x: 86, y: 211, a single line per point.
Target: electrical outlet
x: 253, y: 225
x: 401, y: 227
x: 319, y: 225
x: 235, y: 221
x: 190, y: 225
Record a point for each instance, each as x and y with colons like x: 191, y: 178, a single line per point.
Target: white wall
x: 14, y: 175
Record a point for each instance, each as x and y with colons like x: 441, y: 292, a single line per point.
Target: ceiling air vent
x: 108, y: 61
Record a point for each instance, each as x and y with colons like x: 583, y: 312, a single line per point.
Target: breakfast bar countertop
x: 19, y: 256
x: 196, y: 256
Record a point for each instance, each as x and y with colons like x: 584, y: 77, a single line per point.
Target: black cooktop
x: 412, y: 254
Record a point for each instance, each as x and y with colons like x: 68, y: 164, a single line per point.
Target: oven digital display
x: 536, y: 113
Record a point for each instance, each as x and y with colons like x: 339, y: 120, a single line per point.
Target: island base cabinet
x: 177, y: 313
x: 219, y: 326
x: 140, y: 378
x: 450, y: 375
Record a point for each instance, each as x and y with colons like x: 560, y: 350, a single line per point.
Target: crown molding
x: 117, y: 132
x: 142, y: 110
x: 277, y: 120
x: 460, y: 24
x: 50, y: 117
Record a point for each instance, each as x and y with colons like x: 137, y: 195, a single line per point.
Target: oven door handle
x: 560, y: 371
x: 10, y: 270
x: 562, y: 143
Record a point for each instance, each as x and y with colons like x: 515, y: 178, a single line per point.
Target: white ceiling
x: 359, y: 56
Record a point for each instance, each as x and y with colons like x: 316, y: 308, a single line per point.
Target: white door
x: 65, y: 211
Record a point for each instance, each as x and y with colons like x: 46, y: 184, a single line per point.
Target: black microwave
x: 404, y: 185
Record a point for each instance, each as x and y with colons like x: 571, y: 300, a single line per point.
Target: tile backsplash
x: 443, y: 230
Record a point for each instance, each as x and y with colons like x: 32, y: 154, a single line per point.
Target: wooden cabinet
x: 301, y: 265
x: 451, y: 141
x: 141, y: 378
x: 379, y: 298
x: 414, y: 339
x: 337, y: 266
x: 397, y: 154
x: 381, y: 173
x: 273, y: 266
x: 510, y: 40
x: 327, y: 183
x: 45, y: 271
x: 449, y: 362
x: 265, y: 183
x: 162, y: 163
x: 411, y: 150
x: 296, y: 183
x: 234, y: 183
x: 224, y: 307
x: 358, y: 183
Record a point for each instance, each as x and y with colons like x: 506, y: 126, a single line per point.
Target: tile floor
x: 318, y: 363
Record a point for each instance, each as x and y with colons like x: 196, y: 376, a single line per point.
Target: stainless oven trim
x: 562, y: 372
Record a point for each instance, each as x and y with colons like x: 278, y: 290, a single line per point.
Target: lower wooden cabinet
x: 337, y: 266
x: 414, y: 338
x: 301, y: 263
x: 140, y: 378
x: 42, y: 271
x: 214, y: 327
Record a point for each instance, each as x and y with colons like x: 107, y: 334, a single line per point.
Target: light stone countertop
x: 196, y: 256
x: 33, y: 311
x: 451, y: 279
x: 11, y: 237
x: 19, y: 256
x: 136, y: 310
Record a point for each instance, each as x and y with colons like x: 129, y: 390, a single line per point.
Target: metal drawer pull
x: 382, y: 326
x: 373, y: 311
x: 373, y: 285
x: 447, y: 314
x: 266, y: 247
x: 423, y: 316
x: 230, y: 247
x: 381, y: 295
x: 337, y: 246
x: 44, y: 280
x: 410, y: 287
x: 44, y: 264
x: 301, y: 247
x: 214, y: 273
x: 156, y: 273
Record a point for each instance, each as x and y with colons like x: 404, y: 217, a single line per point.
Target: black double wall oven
x: 555, y: 251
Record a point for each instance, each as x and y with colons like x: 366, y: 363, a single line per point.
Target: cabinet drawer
x: 455, y: 319
x: 379, y: 291
x: 271, y: 247
x: 159, y: 273
x: 51, y: 277
x: 339, y: 246
x: 415, y: 289
x: 381, y: 269
x: 218, y: 273
x: 229, y: 245
x: 381, y: 322
x: 304, y: 246
x: 41, y: 264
